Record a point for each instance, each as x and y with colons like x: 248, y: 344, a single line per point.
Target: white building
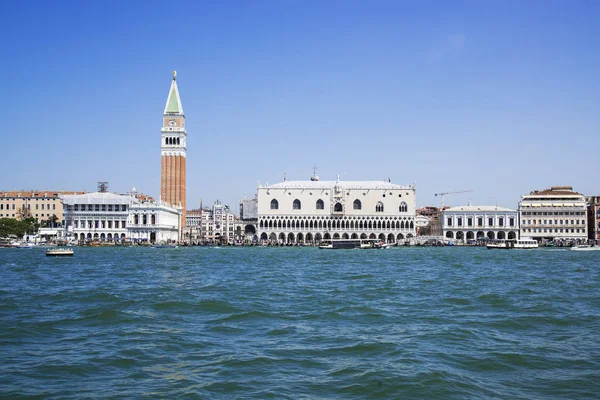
x: 104, y: 216
x: 218, y: 223
x: 154, y: 222
x: 555, y: 213
x: 312, y: 211
x: 478, y: 222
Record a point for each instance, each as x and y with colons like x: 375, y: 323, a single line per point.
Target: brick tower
x: 173, y: 149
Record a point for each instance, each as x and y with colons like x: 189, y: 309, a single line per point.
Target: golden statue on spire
x: 174, y: 75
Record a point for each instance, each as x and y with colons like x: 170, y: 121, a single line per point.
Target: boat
x: 164, y: 246
x: 24, y: 246
x: 513, y: 244
x: 374, y: 244
x: 585, y: 247
x: 342, y: 244
x: 59, y: 252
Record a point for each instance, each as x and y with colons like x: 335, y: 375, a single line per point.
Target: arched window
x: 357, y: 205
x: 297, y: 205
x: 166, y: 140
x: 403, y: 207
x: 337, y: 207
x: 379, y: 207
x: 177, y: 141
x: 274, y: 205
x: 320, y: 205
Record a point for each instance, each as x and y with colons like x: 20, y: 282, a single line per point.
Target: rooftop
x: 331, y: 184
x: 480, y: 208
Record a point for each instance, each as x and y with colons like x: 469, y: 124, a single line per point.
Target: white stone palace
x: 311, y: 211
x: 479, y: 222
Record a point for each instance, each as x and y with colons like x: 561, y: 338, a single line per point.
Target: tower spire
x: 173, y: 105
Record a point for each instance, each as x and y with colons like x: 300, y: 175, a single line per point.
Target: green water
x: 404, y: 323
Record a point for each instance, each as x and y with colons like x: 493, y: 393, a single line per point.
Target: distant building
x: 480, y: 222
x: 593, y: 217
x: 434, y: 216
x: 41, y: 205
x: 555, y: 213
x: 192, y: 232
x: 103, y: 216
x: 218, y: 223
x: 249, y: 219
x: 312, y: 211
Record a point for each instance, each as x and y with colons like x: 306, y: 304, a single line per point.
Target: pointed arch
x: 357, y: 205
x: 403, y: 207
x: 379, y: 207
x: 320, y: 205
x: 297, y: 205
x: 274, y: 204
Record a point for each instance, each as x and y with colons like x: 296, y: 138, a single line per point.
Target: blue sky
x: 500, y: 97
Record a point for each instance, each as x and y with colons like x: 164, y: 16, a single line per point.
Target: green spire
x: 173, y: 105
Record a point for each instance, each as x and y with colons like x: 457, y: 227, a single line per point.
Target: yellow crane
x: 445, y: 193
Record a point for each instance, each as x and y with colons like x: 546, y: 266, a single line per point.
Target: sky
x: 497, y: 97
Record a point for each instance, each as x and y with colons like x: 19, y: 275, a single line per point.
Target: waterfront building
x: 104, y: 216
x: 555, y: 213
x: 218, y: 223
x: 41, y: 205
x: 192, y: 232
x: 249, y: 219
x: 593, y: 216
x: 434, y: 217
x: 480, y: 223
x: 173, y: 152
x: 312, y: 211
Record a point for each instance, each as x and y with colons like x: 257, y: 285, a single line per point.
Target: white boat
x: 585, y: 247
x: 59, y: 252
x: 513, y: 244
x: 164, y: 246
x: 342, y: 244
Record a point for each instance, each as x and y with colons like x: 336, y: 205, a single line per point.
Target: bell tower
x: 173, y: 152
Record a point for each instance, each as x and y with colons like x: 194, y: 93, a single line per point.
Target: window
x: 459, y: 221
x: 469, y: 221
x: 357, y: 205
x: 297, y: 205
x: 379, y: 207
x: 337, y: 207
x: 501, y: 221
x: 511, y: 221
x: 449, y: 221
x: 480, y: 221
x: 403, y: 207
x: 320, y: 205
x: 490, y: 221
x: 274, y: 205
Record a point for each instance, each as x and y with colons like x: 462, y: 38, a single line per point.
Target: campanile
x: 173, y: 151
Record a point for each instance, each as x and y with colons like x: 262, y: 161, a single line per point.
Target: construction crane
x: 445, y: 193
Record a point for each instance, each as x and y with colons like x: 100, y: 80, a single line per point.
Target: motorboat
x: 513, y: 244
x: 59, y: 252
x: 164, y: 246
x: 585, y: 247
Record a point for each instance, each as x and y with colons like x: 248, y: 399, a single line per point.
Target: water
x: 435, y: 323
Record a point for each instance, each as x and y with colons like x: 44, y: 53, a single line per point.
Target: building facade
x: 41, y: 205
x: 466, y: 223
x: 593, y: 215
x: 219, y: 224
x: 173, y: 152
x: 103, y: 216
x: 293, y: 212
x: 192, y: 232
x: 555, y: 213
